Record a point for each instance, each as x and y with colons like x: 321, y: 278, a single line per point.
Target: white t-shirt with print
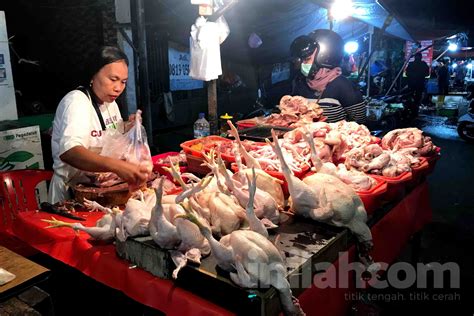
x: 76, y: 124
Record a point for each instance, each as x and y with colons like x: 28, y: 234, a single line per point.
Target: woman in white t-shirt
x: 79, y: 122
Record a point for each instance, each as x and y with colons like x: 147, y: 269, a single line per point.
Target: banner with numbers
x: 179, y: 71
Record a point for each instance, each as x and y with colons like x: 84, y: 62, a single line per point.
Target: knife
x: 53, y: 209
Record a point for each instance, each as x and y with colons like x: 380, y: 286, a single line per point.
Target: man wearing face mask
x: 320, y: 78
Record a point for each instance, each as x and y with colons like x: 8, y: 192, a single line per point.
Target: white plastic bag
x: 137, y: 150
x: 205, y: 41
x: 131, y: 146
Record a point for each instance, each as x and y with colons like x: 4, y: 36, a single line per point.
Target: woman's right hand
x: 135, y: 175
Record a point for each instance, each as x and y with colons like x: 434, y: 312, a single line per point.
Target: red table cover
x: 99, y: 261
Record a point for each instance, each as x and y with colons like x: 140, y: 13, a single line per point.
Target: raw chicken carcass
x: 325, y: 198
x: 252, y: 260
x: 266, y: 183
x: 358, y: 180
x: 136, y: 216
x: 250, y: 161
x: 221, y: 210
x: 408, y: 138
x: 265, y: 205
x: 170, y: 232
x: 104, y: 228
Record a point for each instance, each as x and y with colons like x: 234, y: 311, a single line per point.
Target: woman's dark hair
x: 104, y: 56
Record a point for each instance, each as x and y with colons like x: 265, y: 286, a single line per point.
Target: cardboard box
x: 21, y: 149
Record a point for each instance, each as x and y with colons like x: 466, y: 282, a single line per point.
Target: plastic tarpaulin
x: 371, y: 12
x: 276, y: 22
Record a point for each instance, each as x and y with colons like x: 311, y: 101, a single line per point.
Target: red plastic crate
x: 372, y: 198
x: 158, y: 167
x: 205, y: 141
x: 396, y: 186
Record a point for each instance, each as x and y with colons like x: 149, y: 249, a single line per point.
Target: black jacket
x: 341, y: 100
x: 416, y: 72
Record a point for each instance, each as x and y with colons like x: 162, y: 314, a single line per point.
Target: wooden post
x: 144, y: 89
x: 212, y: 105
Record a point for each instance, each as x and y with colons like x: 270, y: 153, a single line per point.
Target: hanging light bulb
x: 341, y: 9
x: 452, y: 47
x: 351, y: 47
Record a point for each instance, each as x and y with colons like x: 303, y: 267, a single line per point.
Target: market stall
x: 392, y: 228
x: 385, y: 180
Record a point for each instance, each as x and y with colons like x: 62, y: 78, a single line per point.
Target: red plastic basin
x: 433, y: 159
x: 244, y: 125
x: 158, y: 167
x: 372, y: 198
x: 205, y: 141
x: 419, y: 173
x: 396, y: 186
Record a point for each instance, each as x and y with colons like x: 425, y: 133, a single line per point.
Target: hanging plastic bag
x: 205, y: 41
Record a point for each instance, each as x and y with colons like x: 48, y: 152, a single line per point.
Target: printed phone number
x: 179, y: 69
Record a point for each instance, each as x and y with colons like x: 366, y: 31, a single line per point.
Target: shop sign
x: 179, y: 71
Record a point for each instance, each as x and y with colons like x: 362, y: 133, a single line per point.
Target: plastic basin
x: 159, y: 167
x: 433, y: 159
x: 197, y: 147
x: 419, y: 173
x: 372, y: 198
x: 396, y: 186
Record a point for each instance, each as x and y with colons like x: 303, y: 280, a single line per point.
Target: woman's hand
x: 135, y: 175
x: 131, y: 122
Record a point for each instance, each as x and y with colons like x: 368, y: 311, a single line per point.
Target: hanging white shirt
x: 76, y: 124
x: 204, y: 43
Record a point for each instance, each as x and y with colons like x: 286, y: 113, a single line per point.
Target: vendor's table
x: 391, y: 231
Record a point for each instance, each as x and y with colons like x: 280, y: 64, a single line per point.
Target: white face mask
x: 305, y: 69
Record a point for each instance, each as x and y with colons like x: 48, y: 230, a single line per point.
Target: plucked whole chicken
x: 170, y: 232
x: 252, y: 260
x: 325, y: 198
